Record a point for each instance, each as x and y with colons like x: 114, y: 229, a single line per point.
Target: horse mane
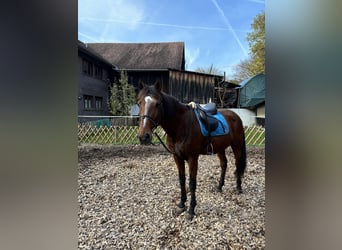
x: 169, y: 98
x: 170, y: 103
x: 166, y: 98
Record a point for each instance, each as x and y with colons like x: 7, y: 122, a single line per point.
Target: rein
x: 167, y: 149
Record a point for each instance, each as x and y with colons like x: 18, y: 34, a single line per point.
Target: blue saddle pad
x: 222, y: 128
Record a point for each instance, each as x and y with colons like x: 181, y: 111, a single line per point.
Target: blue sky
x: 214, y: 31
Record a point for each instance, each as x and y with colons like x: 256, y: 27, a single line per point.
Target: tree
x: 255, y: 64
x: 122, y: 96
x: 242, y: 70
x: 211, y: 70
x: 256, y: 42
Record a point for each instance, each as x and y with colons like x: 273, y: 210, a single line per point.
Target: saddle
x: 206, y: 115
x: 211, y: 123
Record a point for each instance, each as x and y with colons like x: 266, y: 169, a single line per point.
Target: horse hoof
x: 239, y: 190
x: 189, y: 216
x: 218, y: 189
x: 179, y: 210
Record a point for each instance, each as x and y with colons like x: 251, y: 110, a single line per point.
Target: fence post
x: 115, y: 136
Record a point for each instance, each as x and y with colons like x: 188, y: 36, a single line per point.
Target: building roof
x: 142, y: 55
x: 87, y: 50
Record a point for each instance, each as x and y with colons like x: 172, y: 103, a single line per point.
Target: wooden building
x: 100, y: 65
x: 94, y: 75
x: 226, y: 94
x: 164, y: 62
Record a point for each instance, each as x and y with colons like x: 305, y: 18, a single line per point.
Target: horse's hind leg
x: 223, y: 164
x: 240, y: 163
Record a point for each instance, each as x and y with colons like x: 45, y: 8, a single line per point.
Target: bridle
x: 155, y: 125
x: 154, y: 122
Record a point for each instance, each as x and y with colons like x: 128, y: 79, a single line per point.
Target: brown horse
x: 184, y: 138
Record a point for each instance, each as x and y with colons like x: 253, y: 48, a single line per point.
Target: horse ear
x: 158, y: 86
x: 141, y: 85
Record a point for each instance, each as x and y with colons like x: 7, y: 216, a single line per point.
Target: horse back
x: 220, y: 143
x: 234, y: 121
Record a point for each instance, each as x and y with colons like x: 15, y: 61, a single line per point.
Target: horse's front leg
x: 193, y: 164
x: 181, y: 171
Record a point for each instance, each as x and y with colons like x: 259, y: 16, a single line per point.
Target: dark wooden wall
x: 189, y: 86
x: 186, y: 86
x: 135, y: 77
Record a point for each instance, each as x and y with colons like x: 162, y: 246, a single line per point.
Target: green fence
x: 121, y: 135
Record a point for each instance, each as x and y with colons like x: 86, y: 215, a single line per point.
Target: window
x: 88, y: 102
x: 87, y: 67
x: 98, y: 102
x: 98, y: 72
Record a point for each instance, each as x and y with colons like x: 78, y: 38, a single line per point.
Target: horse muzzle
x: 145, y: 139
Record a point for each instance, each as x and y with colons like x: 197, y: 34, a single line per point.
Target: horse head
x: 150, y: 111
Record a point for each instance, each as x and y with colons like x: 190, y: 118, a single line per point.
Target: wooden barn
x: 164, y: 62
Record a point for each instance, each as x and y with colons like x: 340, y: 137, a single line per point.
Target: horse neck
x: 174, y: 116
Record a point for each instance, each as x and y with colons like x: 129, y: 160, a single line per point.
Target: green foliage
x: 255, y: 64
x: 256, y: 41
x: 122, y: 96
x: 114, y: 103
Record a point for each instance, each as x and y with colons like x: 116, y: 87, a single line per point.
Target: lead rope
x: 192, y: 104
x: 167, y: 149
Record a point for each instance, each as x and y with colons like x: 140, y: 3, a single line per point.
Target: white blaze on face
x: 148, y: 101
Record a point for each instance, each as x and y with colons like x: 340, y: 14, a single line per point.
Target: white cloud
x: 107, y: 9
x: 137, y: 22
x: 228, y: 24
x: 81, y: 37
x: 96, y: 16
x: 191, y: 56
x: 257, y: 1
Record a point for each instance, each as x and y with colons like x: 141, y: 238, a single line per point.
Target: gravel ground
x: 127, y: 195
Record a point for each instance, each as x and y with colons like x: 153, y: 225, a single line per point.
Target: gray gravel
x: 127, y: 195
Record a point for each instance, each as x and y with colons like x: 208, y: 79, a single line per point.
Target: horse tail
x: 241, y: 166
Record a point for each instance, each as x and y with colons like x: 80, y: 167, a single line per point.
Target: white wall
x: 134, y: 110
x: 261, y: 111
x: 247, y: 116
